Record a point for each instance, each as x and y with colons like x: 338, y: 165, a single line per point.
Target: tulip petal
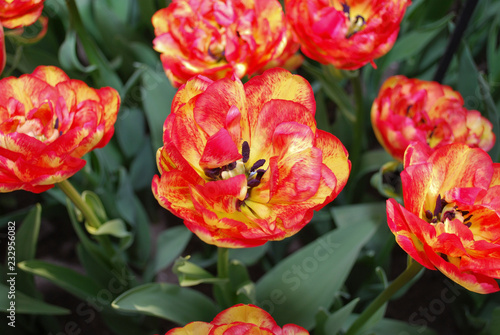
x: 193, y: 328
x: 220, y: 150
x: 472, y: 281
x: 245, y: 313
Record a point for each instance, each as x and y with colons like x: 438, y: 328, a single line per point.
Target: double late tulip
x: 408, y: 110
x: 242, y: 320
x: 47, y: 123
x: 450, y: 220
x: 218, y: 38
x: 245, y: 164
x: 347, y: 34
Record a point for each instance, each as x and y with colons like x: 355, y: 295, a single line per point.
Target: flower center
x: 40, y: 124
x: 446, y: 211
x: 254, y: 173
x: 356, y: 23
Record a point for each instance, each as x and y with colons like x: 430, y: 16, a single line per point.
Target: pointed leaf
x: 25, y: 304
x: 309, y: 279
x: 177, y: 304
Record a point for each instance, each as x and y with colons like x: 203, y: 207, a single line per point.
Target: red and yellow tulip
x: 245, y: 164
x: 47, y: 123
x: 347, y: 34
x: 408, y: 110
x: 242, y: 320
x: 18, y: 13
x: 450, y: 221
x: 218, y: 38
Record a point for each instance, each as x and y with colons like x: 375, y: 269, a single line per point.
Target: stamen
x: 439, y: 206
x: 231, y: 166
x: 253, y: 182
x: 408, y: 109
x: 257, y: 165
x: 448, y: 215
x: 245, y: 151
x: 56, y: 125
x: 260, y: 173
x: 428, y: 214
x: 213, y: 173
x: 346, y: 9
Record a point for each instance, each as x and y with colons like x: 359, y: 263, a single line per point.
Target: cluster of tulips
x: 243, y: 162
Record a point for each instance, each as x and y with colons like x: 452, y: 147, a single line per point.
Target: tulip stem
x: 223, y: 274
x: 87, y: 212
x: 408, y: 274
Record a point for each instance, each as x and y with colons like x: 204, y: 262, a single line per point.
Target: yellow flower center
x: 445, y: 211
x: 41, y: 124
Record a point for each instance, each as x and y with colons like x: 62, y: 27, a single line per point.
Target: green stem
x: 223, y: 273
x: 87, y: 212
x: 411, y: 271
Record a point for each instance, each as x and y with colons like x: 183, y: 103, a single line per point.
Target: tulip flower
x: 290, y: 59
x: 245, y: 164
x: 18, y: 13
x: 218, y: 38
x: 450, y: 221
x: 347, y: 34
x: 242, y: 320
x: 408, y: 110
x: 47, y: 123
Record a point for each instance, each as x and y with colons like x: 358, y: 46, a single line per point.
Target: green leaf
x: 177, y: 304
x: 169, y: 245
x: 143, y: 167
x: 415, y: 41
x: 75, y: 283
x: 493, y: 53
x: 130, y: 131
x: 68, y: 55
x: 25, y: 304
x: 296, y: 288
x: 190, y: 274
x: 248, y: 256
x: 141, y: 248
x: 491, y: 113
x: 27, y: 235
x: 125, y: 197
x: 337, y: 319
x: 157, y: 94
x: 26, y: 243
x: 116, y: 228
x: 467, y: 74
x: 388, y: 326
x: 95, y: 204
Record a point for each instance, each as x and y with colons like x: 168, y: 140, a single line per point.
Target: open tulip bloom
x: 217, y: 39
x: 347, y: 34
x: 245, y: 164
x: 47, y: 123
x: 408, y: 110
x: 450, y: 220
